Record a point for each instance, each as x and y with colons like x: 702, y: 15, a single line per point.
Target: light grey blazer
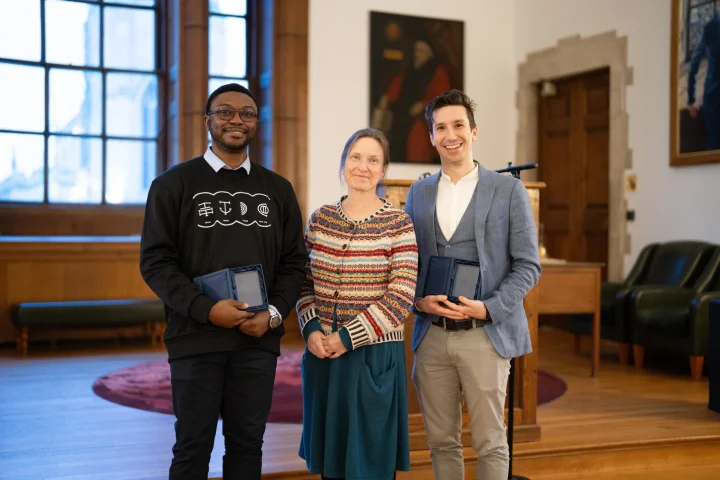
x: 506, y: 236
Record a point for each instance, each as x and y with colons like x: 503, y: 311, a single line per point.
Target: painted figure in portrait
x: 412, y: 60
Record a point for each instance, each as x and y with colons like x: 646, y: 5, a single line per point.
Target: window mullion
x: 46, y: 132
x: 103, y: 109
x: 250, y: 60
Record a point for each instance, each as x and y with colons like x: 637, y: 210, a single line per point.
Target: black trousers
x: 237, y: 385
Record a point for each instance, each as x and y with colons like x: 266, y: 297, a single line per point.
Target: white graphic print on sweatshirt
x: 225, y: 208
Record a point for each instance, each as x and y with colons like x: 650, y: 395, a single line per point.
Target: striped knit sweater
x: 367, y: 269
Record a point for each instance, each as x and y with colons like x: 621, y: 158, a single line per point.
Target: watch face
x: 275, y: 321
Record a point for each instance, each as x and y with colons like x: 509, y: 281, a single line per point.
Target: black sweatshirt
x: 198, y: 221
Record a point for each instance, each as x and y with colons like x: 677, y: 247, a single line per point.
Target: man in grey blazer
x: 471, y: 213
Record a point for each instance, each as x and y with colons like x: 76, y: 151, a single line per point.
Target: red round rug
x: 147, y: 387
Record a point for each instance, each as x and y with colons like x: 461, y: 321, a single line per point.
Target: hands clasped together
x: 331, y: 346
x: 325, y: 346
x: 441, y: 306
x: 231, y: 313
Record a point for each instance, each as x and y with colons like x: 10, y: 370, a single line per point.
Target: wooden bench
x: 88, y: 314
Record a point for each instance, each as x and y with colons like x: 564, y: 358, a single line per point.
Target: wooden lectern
x: 526, y: 427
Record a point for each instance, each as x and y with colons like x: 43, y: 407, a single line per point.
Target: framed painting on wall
x: 695, y: 82
x: 412, y: 60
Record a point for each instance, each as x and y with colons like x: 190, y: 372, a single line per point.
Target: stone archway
x: 571, y: 56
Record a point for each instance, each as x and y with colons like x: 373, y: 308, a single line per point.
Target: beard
x: 231, y: 145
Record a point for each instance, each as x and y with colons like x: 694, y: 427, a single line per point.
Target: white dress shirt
x: 453, y: 199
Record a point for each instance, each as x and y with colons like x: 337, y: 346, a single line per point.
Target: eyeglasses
x: 228, y: 114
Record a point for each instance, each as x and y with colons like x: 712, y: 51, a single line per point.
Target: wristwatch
x: 275, y: 318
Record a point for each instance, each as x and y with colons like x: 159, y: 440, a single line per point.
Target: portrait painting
x: 412, y: 60
x: 695, y: 82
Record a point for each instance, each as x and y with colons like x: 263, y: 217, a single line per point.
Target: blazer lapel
x: 484, y: 195
x: 429, y: 200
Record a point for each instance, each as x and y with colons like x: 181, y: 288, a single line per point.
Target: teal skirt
x: 355, y: 414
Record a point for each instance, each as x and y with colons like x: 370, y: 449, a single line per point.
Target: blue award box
x: 453, y: 277
x: 245, y: 284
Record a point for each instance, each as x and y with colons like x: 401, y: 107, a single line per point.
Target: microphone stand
x: 515, y: 172
x: 511, y: 421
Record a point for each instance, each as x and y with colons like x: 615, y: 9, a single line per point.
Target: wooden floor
x: 624, y: 424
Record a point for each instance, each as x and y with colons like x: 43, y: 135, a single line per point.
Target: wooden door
x: 573, y: 162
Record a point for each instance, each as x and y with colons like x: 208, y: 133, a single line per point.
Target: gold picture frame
x: 693, y: 126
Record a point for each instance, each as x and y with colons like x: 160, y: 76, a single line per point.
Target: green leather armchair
x: 610, y: 326
x: 676, y: 318
x: 661, y: 264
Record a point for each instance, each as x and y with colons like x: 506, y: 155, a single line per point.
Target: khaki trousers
x: 449, y: 366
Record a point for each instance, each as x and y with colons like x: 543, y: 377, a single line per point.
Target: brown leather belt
x: 454, y: 325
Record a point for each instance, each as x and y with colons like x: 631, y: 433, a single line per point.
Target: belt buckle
x: 444, y: 323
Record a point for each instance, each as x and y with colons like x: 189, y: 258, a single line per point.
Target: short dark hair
x: 229, y: 87
x: 373, y: 133
x: 446, y: 99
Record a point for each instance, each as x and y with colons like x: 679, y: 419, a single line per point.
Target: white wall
x: 339, y: 90
x: 670, y: 203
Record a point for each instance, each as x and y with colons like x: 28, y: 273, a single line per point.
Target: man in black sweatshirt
x: 213, y: 212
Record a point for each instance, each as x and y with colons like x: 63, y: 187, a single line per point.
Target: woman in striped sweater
x: 359, y: 288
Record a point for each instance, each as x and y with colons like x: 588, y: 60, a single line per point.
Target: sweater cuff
x: 306, y: 316
x: 310, y: 327
x: 345, y: 338
x: 359, y: 336
x: 200, y: 308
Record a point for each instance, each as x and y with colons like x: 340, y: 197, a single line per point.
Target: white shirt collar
x: 214, y: 161
x: 471, y: 176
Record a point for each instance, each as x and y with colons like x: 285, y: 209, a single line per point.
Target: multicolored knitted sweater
x: 364, y: 270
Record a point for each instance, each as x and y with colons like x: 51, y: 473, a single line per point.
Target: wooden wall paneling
x: 301, y: 179
x: 83, y: 269
x: 285, y: 148
x: 7, y: 331
x: 82, y: 220
x: 289, y: 106
x: 292, y: 16
x: 194, y: 79
x: 286, y: 75
x: 301, y: 132
x: 527, y: 365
